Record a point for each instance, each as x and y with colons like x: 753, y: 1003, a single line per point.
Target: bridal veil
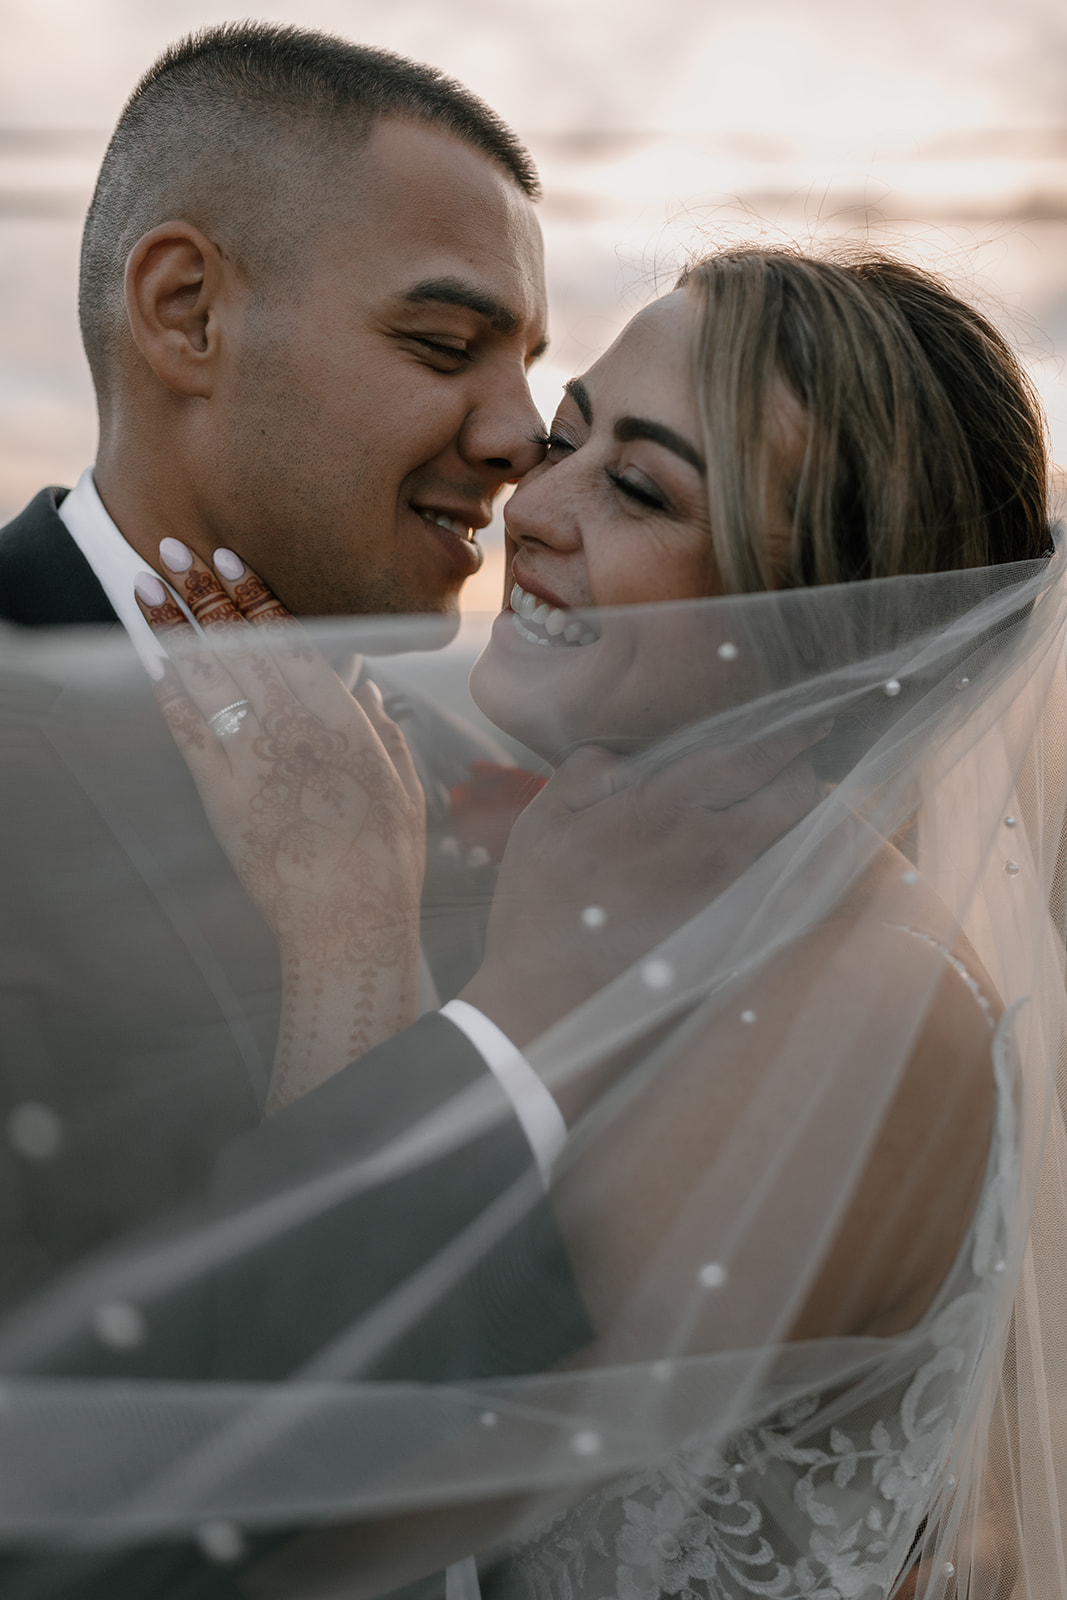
x: 705, y: 1444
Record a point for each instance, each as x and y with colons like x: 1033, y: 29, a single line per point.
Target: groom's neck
x: 149, y: 496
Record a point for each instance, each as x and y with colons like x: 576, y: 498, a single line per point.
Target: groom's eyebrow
x: 457, y: 292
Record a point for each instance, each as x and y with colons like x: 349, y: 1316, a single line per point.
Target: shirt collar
x: 115, y: 563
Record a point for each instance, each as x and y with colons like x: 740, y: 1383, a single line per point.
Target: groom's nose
x: 501, y: 434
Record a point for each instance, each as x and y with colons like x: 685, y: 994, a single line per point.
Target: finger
x: 160, y: 610
x: 241, y: 673
x: 588, y: 776
x: 203, y: 754
x: 739, y: 835
x: 715, y: 778
x: 309, y: 677
x: 369, y: 697
x: 198, y: 586
x: 247, y: 591
x: 196, y: 667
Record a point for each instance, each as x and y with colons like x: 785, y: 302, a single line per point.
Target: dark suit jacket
x: 138, y: 1005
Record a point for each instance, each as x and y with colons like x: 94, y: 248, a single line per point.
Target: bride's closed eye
x: 639, y: 489
x: 560, y: 443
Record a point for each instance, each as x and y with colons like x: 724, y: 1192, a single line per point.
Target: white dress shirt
x: 117, y: 565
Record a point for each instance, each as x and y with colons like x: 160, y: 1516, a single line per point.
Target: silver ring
x: 225, y: 723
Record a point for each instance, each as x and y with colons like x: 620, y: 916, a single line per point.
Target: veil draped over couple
x: 634, y: 1172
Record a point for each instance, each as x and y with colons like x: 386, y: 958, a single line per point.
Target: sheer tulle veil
x: 701, y: 1431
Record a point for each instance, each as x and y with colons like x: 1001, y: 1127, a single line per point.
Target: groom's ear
x: 178, y: 287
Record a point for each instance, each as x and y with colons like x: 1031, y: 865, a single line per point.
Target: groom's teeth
x: 547, y: 623
x: 453, y: 524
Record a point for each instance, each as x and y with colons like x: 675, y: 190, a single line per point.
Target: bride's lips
x: 456, y: 532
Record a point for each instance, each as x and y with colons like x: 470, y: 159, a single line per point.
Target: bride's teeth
x: 529, y: 608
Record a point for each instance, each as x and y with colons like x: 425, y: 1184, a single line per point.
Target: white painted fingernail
x: 175, y: 555
x: 156, y: 669
x: 230, y: 565
x: 147, y: 587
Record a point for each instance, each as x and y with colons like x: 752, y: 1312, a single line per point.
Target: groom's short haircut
x: 242, y: 130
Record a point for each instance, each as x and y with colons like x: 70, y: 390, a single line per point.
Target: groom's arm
x: 406, y: 1231
x: 392, y: 1223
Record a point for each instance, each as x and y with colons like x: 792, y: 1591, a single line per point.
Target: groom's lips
x: 445, y: 524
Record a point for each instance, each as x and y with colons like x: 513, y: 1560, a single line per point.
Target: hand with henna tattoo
x: 313, y: 795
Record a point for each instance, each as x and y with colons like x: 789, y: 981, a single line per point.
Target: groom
x: 311, y: 288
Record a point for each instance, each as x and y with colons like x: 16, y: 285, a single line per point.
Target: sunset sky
x: 933, y: 127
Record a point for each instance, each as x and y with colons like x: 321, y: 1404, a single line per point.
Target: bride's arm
x: 315, y: 800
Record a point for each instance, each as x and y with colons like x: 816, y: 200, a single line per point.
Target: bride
x: 795, y: 516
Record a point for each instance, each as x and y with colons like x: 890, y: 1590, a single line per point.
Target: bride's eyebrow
x: 628, y: 428
x: 580, y: 395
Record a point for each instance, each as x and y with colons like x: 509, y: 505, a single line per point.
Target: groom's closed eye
x: 457, y: 292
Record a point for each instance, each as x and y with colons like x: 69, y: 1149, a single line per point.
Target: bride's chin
x: 519, y: 692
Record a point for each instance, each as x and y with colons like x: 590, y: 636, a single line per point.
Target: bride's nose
x: 543, y: 511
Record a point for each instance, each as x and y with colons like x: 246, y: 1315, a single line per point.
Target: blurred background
x: 937, y: 128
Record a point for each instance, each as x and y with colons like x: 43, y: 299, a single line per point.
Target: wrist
x: 503, y: 1005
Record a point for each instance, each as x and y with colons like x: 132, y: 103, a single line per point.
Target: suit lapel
x: 45, y: 581
x: 110, y: 737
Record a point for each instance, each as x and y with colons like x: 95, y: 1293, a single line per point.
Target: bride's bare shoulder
x: 869, y: 1038
x: 920, y: 1184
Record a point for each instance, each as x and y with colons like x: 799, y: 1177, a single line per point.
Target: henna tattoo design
x: 168, y: 617
x: 183, y: 720
x: 257, y: 605
x: 208, y: 601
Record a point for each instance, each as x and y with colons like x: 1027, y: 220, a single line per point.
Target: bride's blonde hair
x: 923, y: 446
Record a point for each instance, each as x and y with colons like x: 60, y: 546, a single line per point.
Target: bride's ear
x: 177, y: 284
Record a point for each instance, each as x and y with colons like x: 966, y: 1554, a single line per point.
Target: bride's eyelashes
x: 554, y: 444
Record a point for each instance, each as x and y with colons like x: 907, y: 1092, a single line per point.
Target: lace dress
x: 822, y: 1495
